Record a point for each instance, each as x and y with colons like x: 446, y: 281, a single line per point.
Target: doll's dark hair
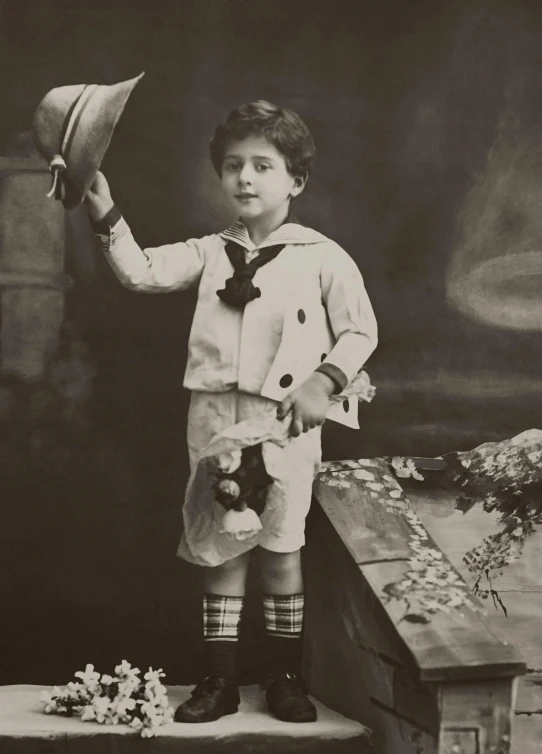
x: 280, y: 126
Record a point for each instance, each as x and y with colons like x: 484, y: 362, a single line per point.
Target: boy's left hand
x: 309, y: 404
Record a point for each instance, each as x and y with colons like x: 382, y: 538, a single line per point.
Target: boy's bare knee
x: 278, y: 563
x: 238, y: 563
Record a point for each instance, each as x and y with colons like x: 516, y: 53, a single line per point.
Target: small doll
x: 240, y: 487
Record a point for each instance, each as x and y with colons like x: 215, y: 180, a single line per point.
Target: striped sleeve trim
x: 105, y: 242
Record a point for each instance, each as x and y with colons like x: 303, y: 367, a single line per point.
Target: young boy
x: 283, y: 320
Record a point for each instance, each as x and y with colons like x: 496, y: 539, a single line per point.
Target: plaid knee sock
x: 221, y: 620
x: 284, y: 625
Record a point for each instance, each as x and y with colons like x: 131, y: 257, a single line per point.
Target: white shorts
x: 293, y: 468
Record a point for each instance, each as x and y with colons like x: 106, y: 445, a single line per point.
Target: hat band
x: 74, y: 116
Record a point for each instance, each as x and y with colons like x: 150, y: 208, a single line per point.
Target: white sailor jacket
x: 313, y: 310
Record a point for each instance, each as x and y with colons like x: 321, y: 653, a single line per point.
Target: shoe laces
x: 288, y: 680
x: 208, y: 685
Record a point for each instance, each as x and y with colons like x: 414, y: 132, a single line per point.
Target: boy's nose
x: 245, y: 174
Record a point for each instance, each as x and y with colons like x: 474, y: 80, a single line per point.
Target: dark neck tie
x: 239, y: 289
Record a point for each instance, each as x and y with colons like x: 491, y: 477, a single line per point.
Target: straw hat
x: 72, y: 128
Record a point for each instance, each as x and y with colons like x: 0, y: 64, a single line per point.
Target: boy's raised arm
x: 171, y: 267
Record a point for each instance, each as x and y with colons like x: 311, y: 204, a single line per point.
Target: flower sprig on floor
x: 120, y: 699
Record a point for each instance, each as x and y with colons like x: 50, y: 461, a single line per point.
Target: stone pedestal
x: 32, y: 280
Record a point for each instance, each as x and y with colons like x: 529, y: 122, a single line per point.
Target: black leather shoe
x: 287, y: 699
x: 211, y: 699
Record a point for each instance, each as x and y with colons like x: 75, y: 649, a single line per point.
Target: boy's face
x: 256, y: 181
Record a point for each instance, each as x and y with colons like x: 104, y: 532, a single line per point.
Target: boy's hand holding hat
x: 98, y: 199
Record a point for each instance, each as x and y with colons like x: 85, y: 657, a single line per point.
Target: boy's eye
x: 232, y: 166
x: 262, y: 167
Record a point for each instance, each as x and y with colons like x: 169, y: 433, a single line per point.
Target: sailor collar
x: 288, y: 233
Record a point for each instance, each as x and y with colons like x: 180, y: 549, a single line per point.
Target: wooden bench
x: 437, y: 684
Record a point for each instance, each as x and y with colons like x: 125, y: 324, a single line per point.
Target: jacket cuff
x: 103, y: 227
x: 335, y: 374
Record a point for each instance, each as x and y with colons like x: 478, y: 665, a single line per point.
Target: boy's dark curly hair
x: 280, y: 126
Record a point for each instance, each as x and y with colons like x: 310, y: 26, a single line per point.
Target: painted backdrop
x: 427, y: 119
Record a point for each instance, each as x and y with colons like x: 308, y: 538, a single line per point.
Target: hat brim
x: 90, y: 138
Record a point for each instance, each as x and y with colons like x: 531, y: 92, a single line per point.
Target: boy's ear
x: 299, y: 184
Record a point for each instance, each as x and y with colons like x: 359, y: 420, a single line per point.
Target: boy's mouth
x: 245, y: 195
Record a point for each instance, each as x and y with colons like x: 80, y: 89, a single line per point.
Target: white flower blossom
x: 89, y: 677
x: 154, y: 675
x: 88, y: 714
x: 125, y: 669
